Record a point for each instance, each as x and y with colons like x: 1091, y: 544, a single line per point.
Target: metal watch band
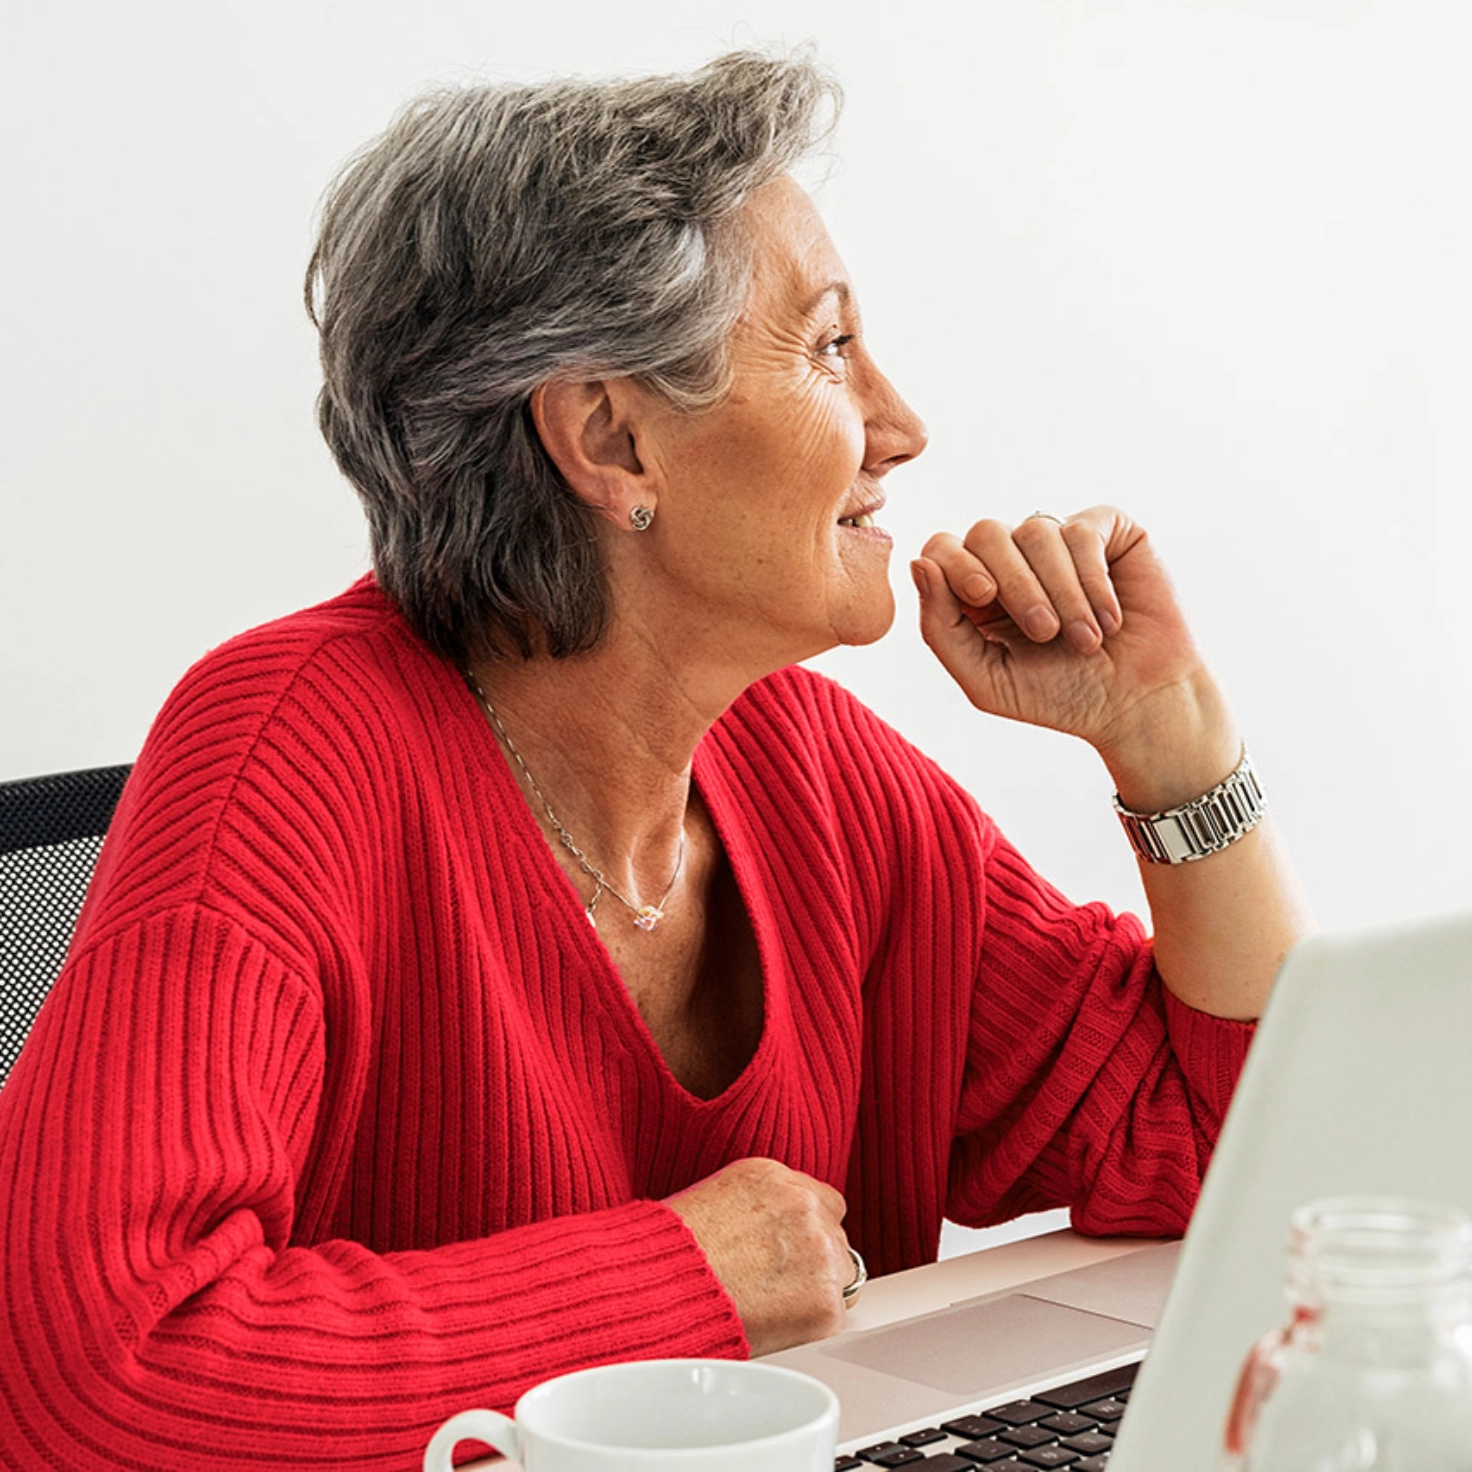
x: 1205, y: 825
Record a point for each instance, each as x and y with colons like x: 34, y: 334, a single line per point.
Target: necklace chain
x: 646, y: 917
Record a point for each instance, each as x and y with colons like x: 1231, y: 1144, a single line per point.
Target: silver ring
x: 1043, y: 516
x: 861, y: 1276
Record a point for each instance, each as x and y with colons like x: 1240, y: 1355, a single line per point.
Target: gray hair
x: 499, y: 237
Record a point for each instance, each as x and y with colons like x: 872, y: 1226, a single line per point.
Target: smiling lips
x: 863, y: 518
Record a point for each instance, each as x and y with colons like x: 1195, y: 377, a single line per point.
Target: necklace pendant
x: 646, y: 917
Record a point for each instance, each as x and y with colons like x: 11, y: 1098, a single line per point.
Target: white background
x: 1204, y: 258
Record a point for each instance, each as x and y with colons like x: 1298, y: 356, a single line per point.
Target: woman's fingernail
x: 1040, y: 623
x: 977, y: 588
x: 922, y: 578
x: 1082, y: 636
x: 1109, y: 621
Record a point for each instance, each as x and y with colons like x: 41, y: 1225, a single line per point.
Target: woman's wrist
x: 1178, y: 745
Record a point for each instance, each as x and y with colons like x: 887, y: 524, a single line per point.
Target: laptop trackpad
x: 969, y: 1350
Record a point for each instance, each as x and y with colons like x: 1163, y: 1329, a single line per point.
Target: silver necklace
x: 646, y: 917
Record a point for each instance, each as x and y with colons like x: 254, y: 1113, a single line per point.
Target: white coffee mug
x: 659, y: 1416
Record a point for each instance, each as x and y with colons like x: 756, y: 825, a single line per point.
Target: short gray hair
x: 499, y: 237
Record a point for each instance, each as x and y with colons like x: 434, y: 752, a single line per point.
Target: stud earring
x: 640, y: 518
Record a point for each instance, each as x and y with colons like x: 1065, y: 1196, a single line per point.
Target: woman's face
x: 768, y: 516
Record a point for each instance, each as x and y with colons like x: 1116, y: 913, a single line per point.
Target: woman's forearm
x: 1222, y: 923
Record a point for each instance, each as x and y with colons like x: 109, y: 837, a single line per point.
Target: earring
x: 640, y: 518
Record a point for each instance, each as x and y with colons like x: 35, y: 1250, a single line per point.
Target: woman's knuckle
x: 984, y: 535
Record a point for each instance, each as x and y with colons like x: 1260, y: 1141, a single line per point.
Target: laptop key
x: 1104, y: 1410
x: 973, y: 1428
x: 1089, y: 1443
x: 846, y: 1464
x: 984, y: 1453
x: 890, y: 1454
x: 945, y: 1462
x: 1050, y: 1456
x: 1020, y: 1412
x: 1096, y: 1387
x: 1026, y: 1436
x: 926, y: 1436
x: 1091, y: 1464
x: 1066, y: 1423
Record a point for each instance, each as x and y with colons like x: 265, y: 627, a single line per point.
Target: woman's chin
x: 869, y: 623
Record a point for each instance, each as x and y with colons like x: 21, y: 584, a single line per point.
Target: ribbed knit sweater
x: 340, y: 1120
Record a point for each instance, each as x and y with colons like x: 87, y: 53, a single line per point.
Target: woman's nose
x: 894, y: 432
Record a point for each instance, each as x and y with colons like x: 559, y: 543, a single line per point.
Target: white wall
x: 1207, y: 260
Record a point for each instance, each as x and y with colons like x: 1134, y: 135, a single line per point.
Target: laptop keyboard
x: 1069, y: 1426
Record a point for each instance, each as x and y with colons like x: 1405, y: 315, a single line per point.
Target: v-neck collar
x: 565, y: 901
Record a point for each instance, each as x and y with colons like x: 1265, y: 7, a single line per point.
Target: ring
x: 861, y: 1276
x: 1043, y: 516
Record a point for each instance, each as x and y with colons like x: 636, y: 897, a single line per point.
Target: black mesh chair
x: 51, y: 829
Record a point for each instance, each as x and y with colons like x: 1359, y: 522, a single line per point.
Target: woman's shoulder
x: 270, y: 731
x: 228, y: 694
x: 284, y: 644
x: 817, y: 715
x: 809, y: 727
x: 802, y: 697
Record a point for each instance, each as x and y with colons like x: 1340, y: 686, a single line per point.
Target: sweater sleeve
x: 156, y: 1311
x: 1087, y: 1083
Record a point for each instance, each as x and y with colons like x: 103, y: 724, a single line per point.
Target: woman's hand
x: 1075, y: 626
x: 774, y: 1237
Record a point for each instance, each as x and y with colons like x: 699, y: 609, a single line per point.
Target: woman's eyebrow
x: 838, y: 288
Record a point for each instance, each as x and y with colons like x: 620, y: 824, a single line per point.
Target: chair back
x: 51, y: 829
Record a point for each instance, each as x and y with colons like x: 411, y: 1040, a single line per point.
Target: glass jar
x: 1374, y: 1368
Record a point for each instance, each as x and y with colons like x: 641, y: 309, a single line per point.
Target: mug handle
x: 490, y: 1427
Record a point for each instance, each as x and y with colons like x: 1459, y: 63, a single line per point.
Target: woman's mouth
x: 865, y: 519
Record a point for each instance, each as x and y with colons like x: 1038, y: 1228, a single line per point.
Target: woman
x: 514, y: 963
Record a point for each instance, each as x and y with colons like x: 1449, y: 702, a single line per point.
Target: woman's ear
x: 589, y: 430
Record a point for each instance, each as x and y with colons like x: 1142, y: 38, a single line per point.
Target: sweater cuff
x: 624, y: 1283
x: 724, y: 1333
x: 638, y: 1274
x: 1211, y: 1051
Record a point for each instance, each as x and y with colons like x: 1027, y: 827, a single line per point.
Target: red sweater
x: 339, y: 1119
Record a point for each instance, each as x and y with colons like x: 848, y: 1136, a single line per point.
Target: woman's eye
x: 836, y: 347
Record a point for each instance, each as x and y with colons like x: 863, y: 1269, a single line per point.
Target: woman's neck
x: 607, y: 740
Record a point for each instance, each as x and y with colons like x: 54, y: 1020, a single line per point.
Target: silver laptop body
x: 994, y: 1348
x: 1360, y: 1080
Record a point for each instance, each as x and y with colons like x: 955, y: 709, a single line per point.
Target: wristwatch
x: 1205, y: 825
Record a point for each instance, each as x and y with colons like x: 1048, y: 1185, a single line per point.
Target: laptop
x: 1360, y: 1080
